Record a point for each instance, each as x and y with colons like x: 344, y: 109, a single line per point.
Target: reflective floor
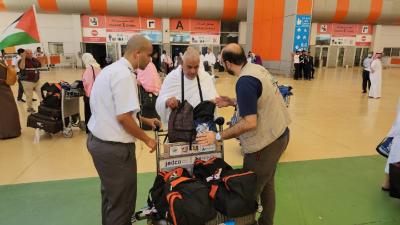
x: 331, y: 119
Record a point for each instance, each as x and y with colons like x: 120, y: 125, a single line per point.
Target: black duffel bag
x: 234, y: 196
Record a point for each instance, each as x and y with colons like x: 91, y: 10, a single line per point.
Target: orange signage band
x: 98, y: 6
x: 48, y: 5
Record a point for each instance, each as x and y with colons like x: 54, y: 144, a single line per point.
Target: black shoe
x: 20, y: 100
x: 33, y: 99
x: 364, y: 92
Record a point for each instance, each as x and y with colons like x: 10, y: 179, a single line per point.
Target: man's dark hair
x: 164, y: 52
x: 20, y: 51
x: 237, y: 58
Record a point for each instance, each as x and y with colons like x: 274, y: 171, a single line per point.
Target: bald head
x: 138, y: 51
x: 191, y: 63
x: 191, y: 54
x: 138, y: 43
x: 234, y: 53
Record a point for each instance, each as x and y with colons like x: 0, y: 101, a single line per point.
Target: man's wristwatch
x: 218, y: 137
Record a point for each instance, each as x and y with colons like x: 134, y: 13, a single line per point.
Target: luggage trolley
x: 172, y: 155
x: 70, y: 110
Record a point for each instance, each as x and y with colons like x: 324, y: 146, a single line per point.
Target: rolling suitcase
x: 50, y: 112
x: 46, y: 123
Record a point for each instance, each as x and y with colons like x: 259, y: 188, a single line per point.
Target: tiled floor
x: 331, y: 119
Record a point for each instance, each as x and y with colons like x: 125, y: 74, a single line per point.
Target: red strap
x: 225, y: 179
x: 213, y: 192
x: 58, y: 86
x: 171, y: 198
x: 179, y: 181
x: 178, y: 171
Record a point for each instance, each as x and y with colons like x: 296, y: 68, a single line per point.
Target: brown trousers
x: 264, y: 163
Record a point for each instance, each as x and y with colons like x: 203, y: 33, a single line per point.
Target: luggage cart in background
x: 70, y: 110
x: 172, y: 155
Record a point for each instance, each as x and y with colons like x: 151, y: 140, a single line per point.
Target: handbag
x: 11, y: 76
x: 384, y: 147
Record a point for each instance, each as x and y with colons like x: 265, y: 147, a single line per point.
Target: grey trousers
x: 263, y: 163
x: 116, y: 165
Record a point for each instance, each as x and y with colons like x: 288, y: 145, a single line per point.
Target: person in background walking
x: 376, y: 77
x: 366, y: 83
x: 88, y: 78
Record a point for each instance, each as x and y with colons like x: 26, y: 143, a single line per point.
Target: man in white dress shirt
x: 114, y: 130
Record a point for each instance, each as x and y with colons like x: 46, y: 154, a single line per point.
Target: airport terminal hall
x: 200, y: 112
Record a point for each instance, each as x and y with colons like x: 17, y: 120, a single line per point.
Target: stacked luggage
x: 213, y: 194
x: 49, y: 116
x: 52, y: 116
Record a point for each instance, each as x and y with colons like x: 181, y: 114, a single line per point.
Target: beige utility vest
x: 272, y: 115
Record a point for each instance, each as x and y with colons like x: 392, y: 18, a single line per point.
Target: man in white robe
x: 394, y: 155
x: 171, y: 94
x: 376, y: 77
x: 211, y: 59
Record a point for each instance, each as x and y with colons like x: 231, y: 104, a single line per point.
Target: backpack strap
x: 200, y: 92
x: 183, y: 89
x: 94, y: 75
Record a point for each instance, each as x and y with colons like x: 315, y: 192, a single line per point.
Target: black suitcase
x: 46, y: 123
x: 50, y: 112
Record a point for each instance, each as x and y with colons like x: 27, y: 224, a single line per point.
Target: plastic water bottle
x: 201, y: 128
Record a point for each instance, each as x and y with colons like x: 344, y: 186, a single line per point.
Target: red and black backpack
x: 180, y: 199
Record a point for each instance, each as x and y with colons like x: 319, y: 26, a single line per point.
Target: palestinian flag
x: 21, y: 31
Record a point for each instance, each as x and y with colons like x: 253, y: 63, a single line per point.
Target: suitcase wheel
x: 68, y: 133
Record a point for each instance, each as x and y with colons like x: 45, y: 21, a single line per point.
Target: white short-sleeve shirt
x: 15, y: 61
x: 114, y: 93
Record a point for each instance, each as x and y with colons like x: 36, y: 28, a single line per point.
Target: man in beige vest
x: 262, y: 124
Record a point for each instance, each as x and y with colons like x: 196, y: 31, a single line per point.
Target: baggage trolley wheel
x: 82, y: 126
x: 68, y: 133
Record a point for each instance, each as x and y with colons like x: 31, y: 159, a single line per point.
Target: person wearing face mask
x: 366, y: 71
x: 170, y: 93
x: 114, y: 130
x: 376, y: 77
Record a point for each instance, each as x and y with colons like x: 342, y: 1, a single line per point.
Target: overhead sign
x: 343, y: 41
x: 344, y: 30
x: 195, y: 26
x: 179, y: 25
x: 302, y: 32
x: 363, y: 40
x: 205, y: 39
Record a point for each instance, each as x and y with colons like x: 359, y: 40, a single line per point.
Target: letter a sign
x: 179, y: 25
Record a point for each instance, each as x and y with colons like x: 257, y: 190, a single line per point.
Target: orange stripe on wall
x: 2, y: 6
x: 230, y: 9
x: 48, y: 5
x: 342, y: 8
x: 375, y: 11
x: 268, y: 28
x: 145, y: 7
x: 304, y: 7
x: 189, y: 8
x: 98, y: 6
